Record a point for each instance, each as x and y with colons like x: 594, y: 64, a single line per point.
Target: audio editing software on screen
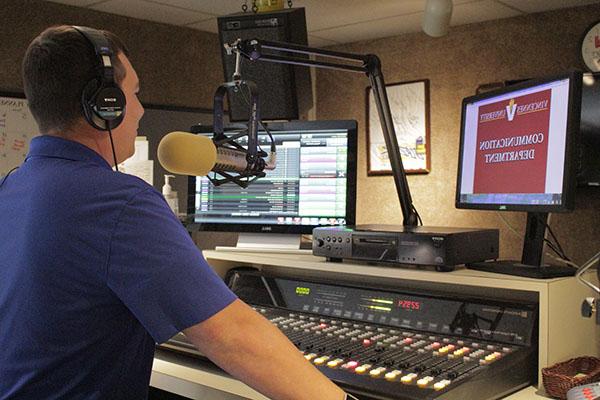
x: 307, y: 187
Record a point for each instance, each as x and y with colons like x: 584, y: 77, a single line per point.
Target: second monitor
x: 517, y: 150
x: 313, y: 184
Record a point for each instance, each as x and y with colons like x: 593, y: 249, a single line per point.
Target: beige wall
x: 180, y: 66
x: 177, y: 66
x: 456, y: 64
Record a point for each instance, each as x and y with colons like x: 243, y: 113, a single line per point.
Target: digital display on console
x: 514, y: 146
x: 410, y: 305
x: 475, y: 318
x: 404, y: 311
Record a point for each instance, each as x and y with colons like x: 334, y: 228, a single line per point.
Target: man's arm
x: 250, y: 348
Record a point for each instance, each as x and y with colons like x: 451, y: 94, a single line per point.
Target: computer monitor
x: 313, y: 184
x: 517, y: 153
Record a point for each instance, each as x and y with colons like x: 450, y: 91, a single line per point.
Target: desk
x: 563, y: 333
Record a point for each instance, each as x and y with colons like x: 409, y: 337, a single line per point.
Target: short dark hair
x: 57, y: 66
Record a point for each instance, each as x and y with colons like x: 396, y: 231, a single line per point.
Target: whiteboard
x: 17, y: 127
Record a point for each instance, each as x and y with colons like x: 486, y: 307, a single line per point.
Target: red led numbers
x: 409, y: 305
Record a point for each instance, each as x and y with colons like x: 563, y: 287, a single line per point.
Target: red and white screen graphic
x: 512, y: 145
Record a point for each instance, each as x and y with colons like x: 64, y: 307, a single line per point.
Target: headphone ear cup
x: 109, y: 104
x: 87, y: 105
x: 103, y: 106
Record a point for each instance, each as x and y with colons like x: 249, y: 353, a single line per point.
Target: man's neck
x: 89, y: 137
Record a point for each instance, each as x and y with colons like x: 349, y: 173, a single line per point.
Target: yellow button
x: 335, y: 363
x: 441, y: 384
x: 392, y: 375
x: 376, y: 373
x: 362, y: 369
x: 321, y: 360
x: 408, y: 378
x: 310, y: 356
x: 423, y: 382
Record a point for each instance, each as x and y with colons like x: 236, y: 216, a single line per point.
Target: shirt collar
x: 57, y: 147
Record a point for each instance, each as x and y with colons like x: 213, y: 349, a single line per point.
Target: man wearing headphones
x: 96, y: 268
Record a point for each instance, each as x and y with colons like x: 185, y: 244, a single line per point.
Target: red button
x: 367, y: 342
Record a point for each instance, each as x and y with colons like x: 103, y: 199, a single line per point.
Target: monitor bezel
x: 570, y: 167
x: 349, y: 125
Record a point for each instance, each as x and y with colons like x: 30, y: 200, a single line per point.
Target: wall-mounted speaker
x: 588, y: 171
x: 284, y: 90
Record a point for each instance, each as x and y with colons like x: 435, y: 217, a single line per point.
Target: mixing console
x: 339, y: 329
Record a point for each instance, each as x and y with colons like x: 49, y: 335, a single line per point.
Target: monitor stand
x: 268, y: 243
x: 531, y: 262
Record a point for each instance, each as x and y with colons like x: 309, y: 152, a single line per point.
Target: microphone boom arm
x: 254, y: 158
x: 253, y: 49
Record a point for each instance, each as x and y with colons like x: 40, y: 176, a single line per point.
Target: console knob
x: 320, y: 242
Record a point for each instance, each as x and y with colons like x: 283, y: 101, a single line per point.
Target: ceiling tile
x: 533, y: 6
x: 335, y: 13
x: 372, y: 30
x: 338, y: 13
x: 150, y: 11
x: 336, y: 21
x: 480, y: 11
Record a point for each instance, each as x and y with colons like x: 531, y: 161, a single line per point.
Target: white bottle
x: 170, y: 195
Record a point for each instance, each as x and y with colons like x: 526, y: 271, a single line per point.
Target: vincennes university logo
x: 513, y: 109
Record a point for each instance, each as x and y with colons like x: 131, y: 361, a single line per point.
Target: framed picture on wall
x: 409, y: 105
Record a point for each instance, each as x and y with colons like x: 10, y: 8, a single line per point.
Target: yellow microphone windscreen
x: 187, y: 154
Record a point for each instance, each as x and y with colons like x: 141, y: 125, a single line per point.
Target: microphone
x: 188, y: 154
x: 185, y: 153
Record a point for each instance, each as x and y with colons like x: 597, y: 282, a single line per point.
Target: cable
x: 417, y: 214
x: 557, y: 242
x: 247, y: 100
x: 112, y: 145
x: 562, y: 260
x: 7, y: 174
x: 554, y: 249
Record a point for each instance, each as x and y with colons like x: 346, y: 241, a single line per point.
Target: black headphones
x: 103, y: 102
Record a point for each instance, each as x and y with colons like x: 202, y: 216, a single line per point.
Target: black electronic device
x: 588, y: 171
x: 441, y: 247
x: 286, y: 88
x: 518, y: 150
x: 102, y: 100
x: 313, y: 183
x: 389, y: 344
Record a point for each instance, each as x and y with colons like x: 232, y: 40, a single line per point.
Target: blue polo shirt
x: 94, y: 269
